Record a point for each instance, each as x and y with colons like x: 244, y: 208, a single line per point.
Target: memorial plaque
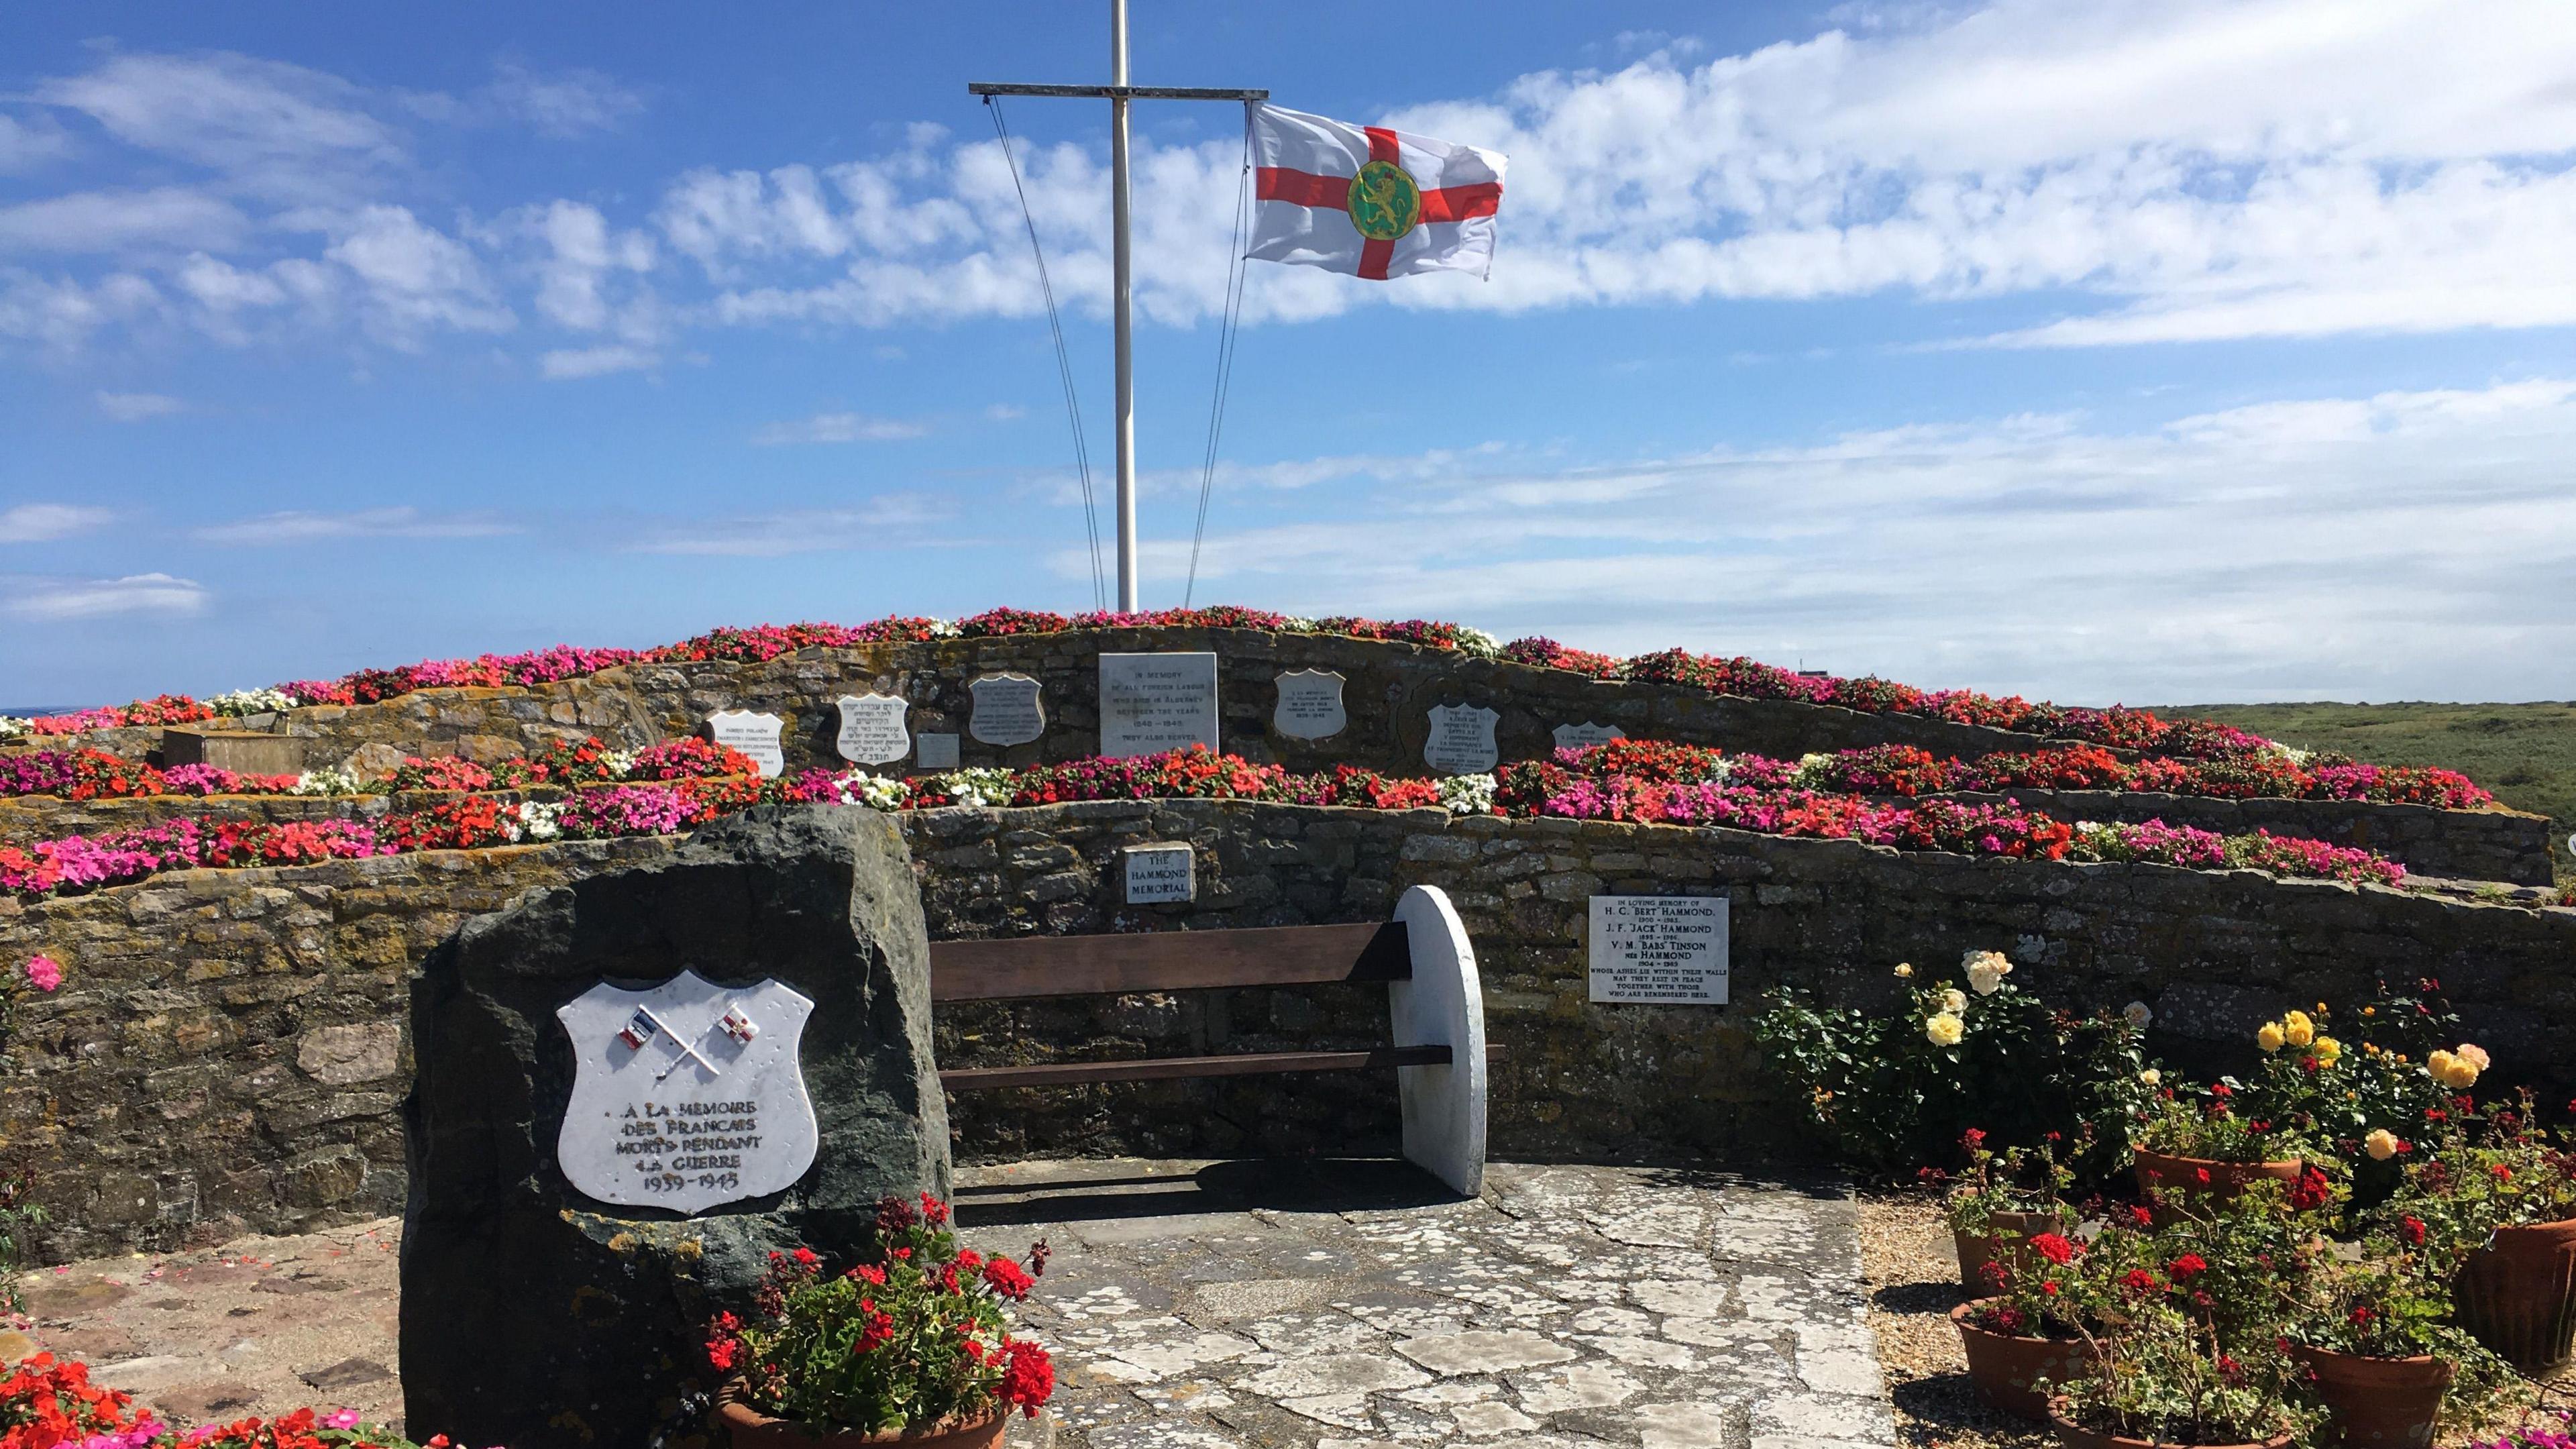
x: 1573, y: 737
x: 1161, y: 872
x: 755, y: 735
x: 1150, y: 703
x: 1461, y: 740
x: 872, y: 731
x: 935, y: 751
x: 1007, y: 709
x: 1666, y: 949
x: 687, y: 1095
x: 1310, y: 705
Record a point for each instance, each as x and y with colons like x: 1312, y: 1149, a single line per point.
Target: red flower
x: 869, y: 1273
x: 2188, y: 1266
x: 806, y: 1257
x: 2140, y: 1283
x: 933, y: 1211
x: 2142, y: 1217
x: 1028, y: 1380
x: 1973, y: 1138
x: 2411, y: 1228
x: 2055, y: 1247
x: 1008, y: 1279
x: 2500, y: 1172
x: 2048, y: 1288
x: 2310, y: 1191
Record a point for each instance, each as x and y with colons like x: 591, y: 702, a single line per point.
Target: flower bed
x: 2116, y: 727
x: 609, y: 794
x: 47, y: 1401
x: 2287, y: 775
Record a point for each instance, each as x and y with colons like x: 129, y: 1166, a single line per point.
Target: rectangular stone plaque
x: 935, y: 751
x: 1161, y: 872
x: 1150, y: 703
x: 1663, y: 949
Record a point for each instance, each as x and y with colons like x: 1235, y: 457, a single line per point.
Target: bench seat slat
x: 1056, y: 1074
x: 1035, y: 966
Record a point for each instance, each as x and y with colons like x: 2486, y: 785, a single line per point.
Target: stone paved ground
x: 1347, y: 1305
x: 1212, y: 1305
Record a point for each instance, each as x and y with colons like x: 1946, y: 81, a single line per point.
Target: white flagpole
x: 1120, y: 285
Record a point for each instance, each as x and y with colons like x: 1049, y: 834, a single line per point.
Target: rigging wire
x: 1229, y: 331
x: 1063, y: 359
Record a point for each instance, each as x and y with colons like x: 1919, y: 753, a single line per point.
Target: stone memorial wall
x: 230, y: 1052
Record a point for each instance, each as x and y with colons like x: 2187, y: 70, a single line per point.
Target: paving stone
x: 1334, y: 1373
x: 1452, y: 1354
x: 1483, y: 1421
x: 1161, y: 1358
x: 1681, y: 1426
x: 1826, y: 1416
x: 1576, y: 1386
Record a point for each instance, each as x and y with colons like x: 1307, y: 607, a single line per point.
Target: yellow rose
x: 1904, y: 970
x: 2329, y: 1051
x: 2381, y: 1145
x: 2270, y: 1037
x: 1944, y: 1030
x: 1954, y: 1001
x: 2297, y: 1030
x: 2152, y: 1077
x: 2475, y: 1056
x: 2438, y: 1063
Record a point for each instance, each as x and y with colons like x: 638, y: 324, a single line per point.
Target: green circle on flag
x: 1384, y: 203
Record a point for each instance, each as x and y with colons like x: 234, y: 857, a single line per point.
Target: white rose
x: 2138, y: 1014
x: 2152, y: 1077
x: 1954, y: 1001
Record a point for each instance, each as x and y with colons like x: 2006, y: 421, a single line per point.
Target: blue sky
x: 2146, y: 352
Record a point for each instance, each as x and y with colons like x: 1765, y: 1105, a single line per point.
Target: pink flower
x: 340, y: 1419
x: 44, y: 973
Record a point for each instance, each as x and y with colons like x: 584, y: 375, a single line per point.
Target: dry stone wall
x: 229, y: 1052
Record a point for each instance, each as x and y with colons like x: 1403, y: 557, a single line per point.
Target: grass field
x: 2525, y: 753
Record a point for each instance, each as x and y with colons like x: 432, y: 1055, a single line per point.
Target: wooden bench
x: 1435, y: 1003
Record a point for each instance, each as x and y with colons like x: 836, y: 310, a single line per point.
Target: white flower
x: 1986, y: 970
x: 877, y: 792
x: 618, y: 763
x: 332, y: 781
x: 1467, y: 794
x: 533, y: 820
x: 1944, y: 1030
x: 236, y: 702
x: 1718, y: 770
x: 13, y: 727
x: 1954, y: 1001
x: 2152, y: 1077
x: 1296, y: 624
x: 943, y: 628
x: 1811, y: 768
x: 977, y: 787
x: 2138, y: 1014
x: 1478, y: 643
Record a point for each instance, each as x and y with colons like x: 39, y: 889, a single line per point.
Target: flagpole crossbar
x: 1117, y: 93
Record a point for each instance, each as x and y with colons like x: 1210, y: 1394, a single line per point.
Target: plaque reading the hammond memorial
x: 687, y: 1095
x: 1669, y: 949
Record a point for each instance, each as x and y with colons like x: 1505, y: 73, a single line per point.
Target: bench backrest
x: 1029, y: 966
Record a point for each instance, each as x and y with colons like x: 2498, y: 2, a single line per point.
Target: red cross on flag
x: 1370, y: 201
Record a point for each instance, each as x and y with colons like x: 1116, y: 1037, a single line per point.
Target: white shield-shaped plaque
x: 1461, y: 741
x: 1007, y: 709
x: 1575, y: 737
x: 872, y: 731
x: 755, y: 735
x: 1310, y: 705
x: 687, y: 1095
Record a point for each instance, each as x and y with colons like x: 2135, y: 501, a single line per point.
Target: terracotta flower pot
x: 2076, y: 1436
x: 2379, y: 1403
x: 748, y: 1428
x: 2518, y: 1294
x: 2182, y: 1176
x: 2005, y: 1369
x: 2011, y: 1237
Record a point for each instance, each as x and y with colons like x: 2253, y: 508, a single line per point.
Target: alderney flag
x: 1370, y: 201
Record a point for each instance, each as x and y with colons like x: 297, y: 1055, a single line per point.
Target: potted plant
x: 2216, y: 1141
x: 2375, y: 1337
x: 910, y: 1346
x: 2493, y: 1180
x: 2164, y: 1376
x: 2029, y: 1334
x: 2001, y: 1201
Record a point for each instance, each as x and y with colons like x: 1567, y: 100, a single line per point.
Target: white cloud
x: 887, y: 519
x: 45, y: 522
x: 135, y: 407
x: 24, y: 146
x: 115, y: 221
x: 417, y: 277
x: 58, y: 600
x: 265, y: 127
x: 566, y: 104
x: 2403, y: 545
x: 578, y: 362
x: 306, y: 527
x: 62, y: 313
x: 839, y: 428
